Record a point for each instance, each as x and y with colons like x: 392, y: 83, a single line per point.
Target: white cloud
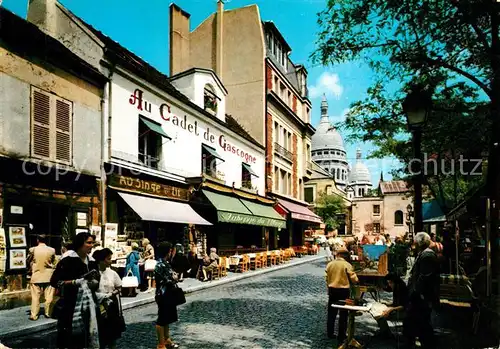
x: 327, y: 83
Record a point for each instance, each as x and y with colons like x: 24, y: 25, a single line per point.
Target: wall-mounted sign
x: 149, y: 187
x: 16, y: 210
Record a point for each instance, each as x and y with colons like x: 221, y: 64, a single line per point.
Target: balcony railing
x: 218, y: 175
x: 246, y: 184
x: 283, y: 152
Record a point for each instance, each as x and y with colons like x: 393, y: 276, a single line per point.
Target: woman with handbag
x: 77, y: 278
x: 111, y: 323
x: 148, y: 258
x: 133, y: 262
x: 168, y: 295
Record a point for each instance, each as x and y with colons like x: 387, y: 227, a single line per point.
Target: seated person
x: 395, y: 309
x: 210, y: 263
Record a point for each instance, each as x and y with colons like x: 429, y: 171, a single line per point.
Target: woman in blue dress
x: 133, y: 262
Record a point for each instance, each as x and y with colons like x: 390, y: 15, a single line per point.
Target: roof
x: 269, y: 25
x: 393, y: 187
x: 137, y: 65
x: 200, y: 70
x: 27, y: 40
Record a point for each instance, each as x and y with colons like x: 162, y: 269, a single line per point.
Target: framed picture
x: 17, y: 259
x: 111, y: 230
x: 96, y: 230
x: 17, y: 236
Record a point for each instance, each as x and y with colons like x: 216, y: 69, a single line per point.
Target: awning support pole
x: 488, y: 248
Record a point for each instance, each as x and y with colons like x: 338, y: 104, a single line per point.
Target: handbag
x: 130, y: 281
x: 149, y: 265
x: 121, y: 320
x: 177, y: 296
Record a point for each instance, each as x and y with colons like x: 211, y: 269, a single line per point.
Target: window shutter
x: 41, y: 124
x: 63, y: 131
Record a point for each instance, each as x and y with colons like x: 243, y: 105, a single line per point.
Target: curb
x: 49, y: 325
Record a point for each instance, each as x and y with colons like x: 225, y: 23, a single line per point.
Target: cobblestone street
x: 284, y: 309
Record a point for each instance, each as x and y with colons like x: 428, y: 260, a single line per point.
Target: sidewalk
x: 15, y: 322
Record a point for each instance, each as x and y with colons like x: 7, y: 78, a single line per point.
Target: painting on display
x: 17, y: 259
x: 17, y: 236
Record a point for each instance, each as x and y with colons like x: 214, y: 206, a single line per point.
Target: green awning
x: 268, y: 212
x: 212, y: 152
x: 153, y: 126
x: 249, y: 169
x: 232, y: 210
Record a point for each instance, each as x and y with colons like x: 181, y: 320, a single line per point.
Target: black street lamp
x: 416, y: 106
x: 409, y: 219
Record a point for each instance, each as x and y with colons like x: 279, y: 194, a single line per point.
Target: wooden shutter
x: 63, y: 130
x: 41, y: 124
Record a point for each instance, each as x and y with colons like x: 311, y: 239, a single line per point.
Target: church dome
x: 326, y: 136
x: 359, y: 172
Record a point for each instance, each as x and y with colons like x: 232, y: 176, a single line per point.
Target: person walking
x: 77, y: 278
x: 166, y: 279
x: 148, y: 255
x: 43, y: 266
x: 109, y: 287
x: 132, y: 263
x: 423, y: 288
x: 339, y: 276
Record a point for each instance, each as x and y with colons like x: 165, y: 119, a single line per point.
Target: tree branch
x: 439, y: 63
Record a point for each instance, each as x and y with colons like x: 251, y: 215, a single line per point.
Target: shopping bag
x: 178, y: 296
x: 150, y: 265
x: 130, y: 281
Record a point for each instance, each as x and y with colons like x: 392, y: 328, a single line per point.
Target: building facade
x: 267, y: 95
x: 384, y: 213
x: 328, y: 149
x: 50, y: 127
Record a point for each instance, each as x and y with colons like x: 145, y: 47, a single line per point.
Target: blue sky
x: 142, y: 27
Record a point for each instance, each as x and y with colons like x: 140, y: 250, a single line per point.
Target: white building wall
x: 187, y: 128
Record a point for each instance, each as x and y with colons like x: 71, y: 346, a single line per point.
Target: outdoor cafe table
x: 350, y: 342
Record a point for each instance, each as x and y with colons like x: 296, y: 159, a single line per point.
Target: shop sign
x: 191, y: 126
x: 149, y: 187
x: 238, y: 218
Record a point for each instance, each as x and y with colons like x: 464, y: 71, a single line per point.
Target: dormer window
x: 210, y: 99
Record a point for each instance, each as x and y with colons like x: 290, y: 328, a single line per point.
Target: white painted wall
x: 183, y: 152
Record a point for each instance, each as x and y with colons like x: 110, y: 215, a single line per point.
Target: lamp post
x: 416, y: 106
x: 409, y: 219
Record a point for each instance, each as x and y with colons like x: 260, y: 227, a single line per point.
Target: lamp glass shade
x: 416, y: 106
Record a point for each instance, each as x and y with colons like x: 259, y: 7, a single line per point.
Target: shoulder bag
x: 149, y: 265
x: 130, y: 281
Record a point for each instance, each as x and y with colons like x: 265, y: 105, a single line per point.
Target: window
x: 376, y: 209
x: 282, y: 91
x: 276, y: 132
x: 309, y: 195
x: 276, y: 84
x: 149, y: 143
x: 51, y: 126
x: 376, y: 228
x: 208, y: 161
x: 289, y: 100
x: 289, y: 141
x: 308, y: 152
x: 246, y: 176
x: 289, y: 184
x: 210, y: 99
x: 398, y: 217
x: 301, y: 190
x: 283, y: 182
x: 276, y: 179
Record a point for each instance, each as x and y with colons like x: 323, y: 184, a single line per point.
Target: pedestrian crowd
x: 412, y: 302
x: 84, y: 294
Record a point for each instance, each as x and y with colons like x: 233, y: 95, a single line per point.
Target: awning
x: 432, y: 212
x: 263, y: 211
x: 157, y: 210
x: 473, y: 205
x: 300, y: 212
x: 249, y: 169
x: 233, y: 210
x: 212, y: 152
x: 153, y: 126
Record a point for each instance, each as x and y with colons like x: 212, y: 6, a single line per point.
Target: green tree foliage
x: 446, y: 44
x: 332, y: 209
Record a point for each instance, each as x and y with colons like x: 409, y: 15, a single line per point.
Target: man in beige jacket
x: 339, y: 277
x: 42, y: 269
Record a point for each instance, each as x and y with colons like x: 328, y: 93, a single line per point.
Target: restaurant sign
x: 238, y: 218
x: 149, y: 187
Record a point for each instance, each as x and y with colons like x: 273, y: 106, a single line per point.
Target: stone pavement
x: 283, y: 309
x: 15, y: 322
